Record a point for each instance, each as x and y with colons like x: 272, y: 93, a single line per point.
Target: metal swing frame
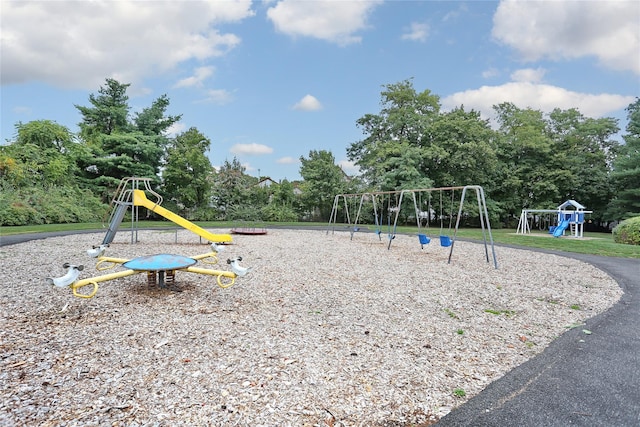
x: 482, y: 212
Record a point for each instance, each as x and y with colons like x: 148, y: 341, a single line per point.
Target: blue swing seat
x: 445, y: 241
x: 424, y: 240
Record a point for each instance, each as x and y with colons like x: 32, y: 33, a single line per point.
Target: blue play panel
x: 160, y: 262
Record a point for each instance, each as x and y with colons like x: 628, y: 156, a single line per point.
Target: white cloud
x: 252, y: 149
x: 200, y: 74
x: 248, y: 168
x: 79, y: 43
x: 417, y: 32
x: 286, y: 160
x: 22, y: 110
x: 137, y: 91
x: 333, y: 21
x: 559, y: 30
x: 217, y: 96
x: 349, y: 167
x: 491, y: 72
x: 175, y: 129
x: 537, y: 96
x: 454, y: 14
x: 308, y: 103
x: 528, y: 75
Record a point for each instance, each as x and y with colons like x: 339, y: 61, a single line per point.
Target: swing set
x: 393, y: 206
x: 430, y: 214
x: 352, y: 207
x: 383, y: 203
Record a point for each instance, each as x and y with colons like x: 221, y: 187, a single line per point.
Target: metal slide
x: 140, y: 199
x: 116, y: 219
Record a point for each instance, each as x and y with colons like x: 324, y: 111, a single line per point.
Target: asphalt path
x: 579, y: 380
x: 13, y: 239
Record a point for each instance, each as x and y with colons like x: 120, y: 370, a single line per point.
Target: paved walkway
x: 582, y: 380
x: 21, y: 238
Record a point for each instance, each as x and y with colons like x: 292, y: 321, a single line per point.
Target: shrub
x: 243, y: 213
x: 48, y: 205
x: 273, y: 212
x: 628, y: 231
x: 19, y: 214
x: 203, y: 214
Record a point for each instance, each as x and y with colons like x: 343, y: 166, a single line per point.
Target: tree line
x: 49, y: 174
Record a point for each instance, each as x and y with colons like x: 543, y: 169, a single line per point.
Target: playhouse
x: 569, y: 216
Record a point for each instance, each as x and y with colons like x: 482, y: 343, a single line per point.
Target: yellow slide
x: 140, y: 199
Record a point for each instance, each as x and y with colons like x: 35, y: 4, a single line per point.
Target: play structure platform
x: 129, y: 194
x: 570, y: 215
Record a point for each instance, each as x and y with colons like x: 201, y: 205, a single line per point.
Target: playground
x: 327, y: 329
x: 569, y: 218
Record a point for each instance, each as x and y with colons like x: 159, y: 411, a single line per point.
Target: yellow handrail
x: 93, y: 281
x: 113, y: 261
x: 208, y: 258
x: 220, y: 274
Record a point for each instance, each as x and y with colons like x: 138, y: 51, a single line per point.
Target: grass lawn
x: 593, y: 243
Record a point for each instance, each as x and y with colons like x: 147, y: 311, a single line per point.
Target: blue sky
x: 268, y: 81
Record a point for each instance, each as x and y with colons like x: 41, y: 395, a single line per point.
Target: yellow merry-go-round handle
x: 208, y: 258
x: 109, y: 262
x: 89, y: 295
x: 227, y: 285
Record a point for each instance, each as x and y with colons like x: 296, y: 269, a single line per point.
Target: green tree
x: 459, y: 148
x: 403, y: 122
x: 153, y: 121
x: 323, y: 180
x: 37, y: 182
x: 187, y: 173
x: 108, y: 113
x: 588, y: 151
x: 284, y: 195
x: 626, y: 174
x: 121, y: 155
x: 403, y: 168
x: 231, y: 192
x: 283, y: 205
x: 120, y: 148
x: 411, y: 144
x: 530, y: 171
x: 42, y: 153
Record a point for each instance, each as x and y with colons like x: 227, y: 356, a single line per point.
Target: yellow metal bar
x: 219, y: 273
x: 106, y: 259
x: 205, y: 258
x: 140, y: 199
x: 93, y: 281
